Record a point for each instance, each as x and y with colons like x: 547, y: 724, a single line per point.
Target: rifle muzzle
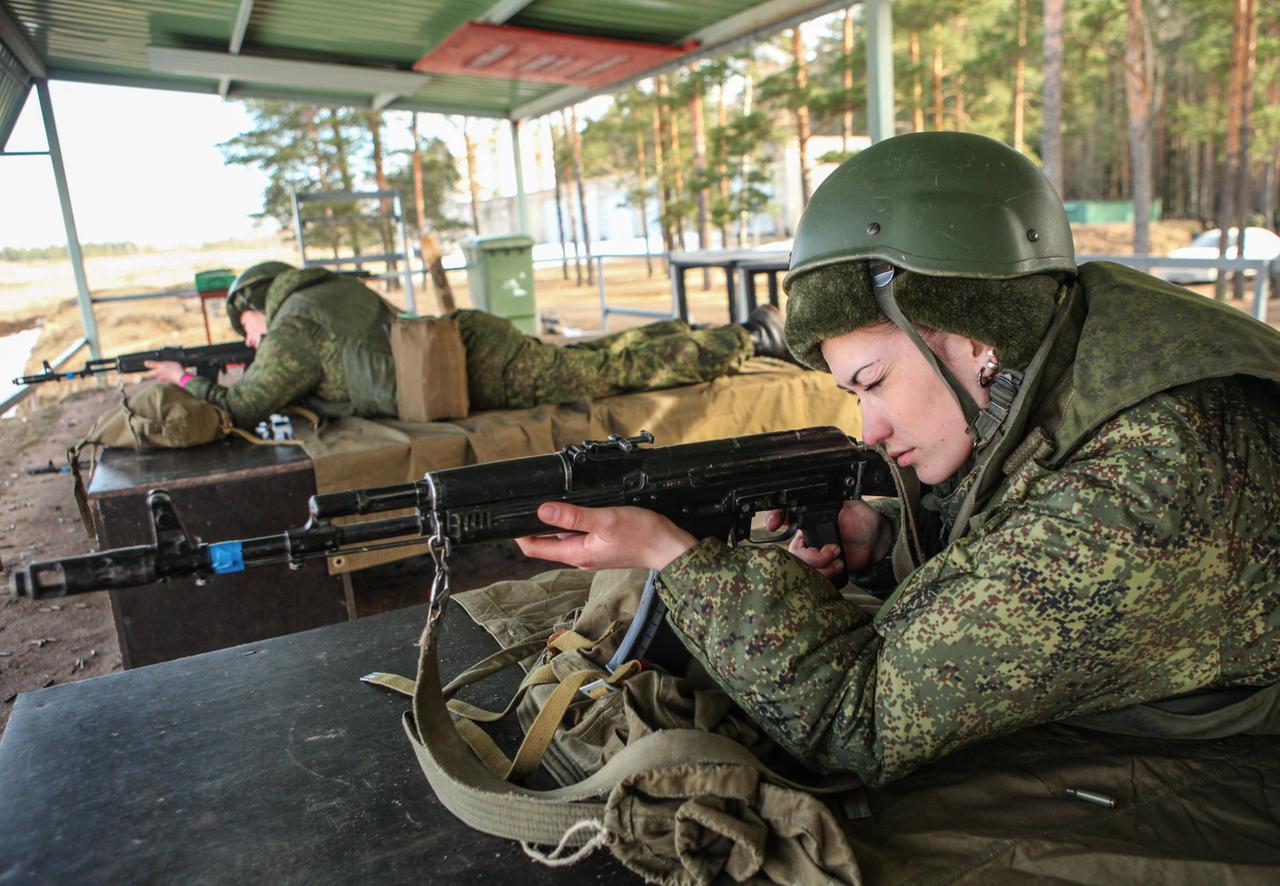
x: 102, y: 571
x: 37, y: 584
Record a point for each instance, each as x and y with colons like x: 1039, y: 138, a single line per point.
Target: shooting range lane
x: 268, y: 762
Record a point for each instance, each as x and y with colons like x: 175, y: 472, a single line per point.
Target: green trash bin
x: 217, y: 280
x: 500, y: 278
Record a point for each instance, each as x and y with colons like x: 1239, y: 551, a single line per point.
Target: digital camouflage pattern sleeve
x: 1147, y: 566
x: 288, y: 366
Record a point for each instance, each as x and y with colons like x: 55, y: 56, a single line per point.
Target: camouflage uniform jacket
x: 1135, y: 557
x: 326, y: 347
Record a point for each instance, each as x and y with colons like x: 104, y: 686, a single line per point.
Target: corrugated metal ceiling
x: 14, y: 86
x: 107, y: 41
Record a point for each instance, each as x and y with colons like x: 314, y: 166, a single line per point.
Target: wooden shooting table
x: 267, y: 763
x: 230, y: 490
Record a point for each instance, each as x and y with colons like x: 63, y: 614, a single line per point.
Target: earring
x: 988, y: 372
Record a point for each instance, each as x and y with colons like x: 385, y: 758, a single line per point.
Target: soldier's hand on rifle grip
x: 865, y: 538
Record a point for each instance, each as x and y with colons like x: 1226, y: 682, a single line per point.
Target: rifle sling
x: 471, y: 791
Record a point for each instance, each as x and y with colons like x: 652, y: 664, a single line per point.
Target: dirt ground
x: 47, y: 642
x: 42, y: 643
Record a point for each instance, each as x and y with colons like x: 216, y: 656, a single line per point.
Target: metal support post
x: 1261, y: 284
x: 410, y: 297
x: 522, y: 202
x: 604, y: 302
x: 880, y: 110
x: 83, y: 295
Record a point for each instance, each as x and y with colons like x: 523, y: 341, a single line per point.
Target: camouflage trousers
x: 509, y: 370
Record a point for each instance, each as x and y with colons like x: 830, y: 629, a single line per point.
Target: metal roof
x: 352, y: 52
x: 14, y: 86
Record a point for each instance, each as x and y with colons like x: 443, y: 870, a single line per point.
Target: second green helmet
x: 249, y: 291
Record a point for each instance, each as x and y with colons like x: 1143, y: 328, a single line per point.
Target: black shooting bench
x: 234, y: 489
x: 740, y: 266
x: 263, y: 763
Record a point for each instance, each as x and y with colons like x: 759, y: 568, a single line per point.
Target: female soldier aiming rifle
x: 1103, y: 529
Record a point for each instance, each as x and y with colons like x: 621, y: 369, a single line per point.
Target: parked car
x: 1259, y: 243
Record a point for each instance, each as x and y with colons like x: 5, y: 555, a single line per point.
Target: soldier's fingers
x: 818, y: 558
x: 773, y: 519
x: 800, y: 545
x: 832, y: 569
x: 542, y: 547
x: 564, y: 516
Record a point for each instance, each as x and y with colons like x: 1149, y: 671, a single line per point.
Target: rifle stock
x: 709, y: 488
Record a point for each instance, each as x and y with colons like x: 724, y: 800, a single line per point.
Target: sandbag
x: 159, y: 415
x: 431, y: 368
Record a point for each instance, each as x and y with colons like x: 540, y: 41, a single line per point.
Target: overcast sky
x: 142, y: 165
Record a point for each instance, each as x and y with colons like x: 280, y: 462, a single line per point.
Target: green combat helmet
x: 977, y: 236
x: 950, y: 204
x: 946, y: 230
x: 249, y: 291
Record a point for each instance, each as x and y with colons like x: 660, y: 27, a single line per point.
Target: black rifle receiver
x: 204, y: 360
x: 709, y: 489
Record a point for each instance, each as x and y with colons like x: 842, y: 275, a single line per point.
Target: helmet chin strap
x: 982, y: 423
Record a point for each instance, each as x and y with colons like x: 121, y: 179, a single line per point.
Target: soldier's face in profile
x: 255, y: 327
x: 905, y: 404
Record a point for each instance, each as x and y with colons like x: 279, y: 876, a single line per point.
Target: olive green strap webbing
x: 1001, y: 443
x: 500, y: 660
x: 394, y: 682
x: 467, y: 787
x: 542, y: 731
x: 303, y: 411
x: 889, y: 305
x: 543, y: 728
x: 907, y: 552
x: 485, y: 747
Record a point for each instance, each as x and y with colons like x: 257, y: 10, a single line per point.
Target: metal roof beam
x: 502, y: 11
x: 401, y: 103
x: 284, y: 72
x: 14, y: 37
x: 238, y: 30
x: 241, y: 26
x: 750, y: 26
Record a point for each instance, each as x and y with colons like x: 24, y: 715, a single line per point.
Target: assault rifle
x: 205, y: 360
x: 709, y: 489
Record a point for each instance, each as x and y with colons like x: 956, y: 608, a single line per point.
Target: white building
x: 610, y: 217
